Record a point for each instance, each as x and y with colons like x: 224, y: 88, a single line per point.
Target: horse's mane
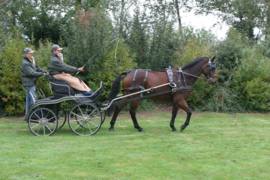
x: 192, y: 63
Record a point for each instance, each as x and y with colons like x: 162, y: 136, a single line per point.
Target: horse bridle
x: 209, y: 79
x: 212, y: 67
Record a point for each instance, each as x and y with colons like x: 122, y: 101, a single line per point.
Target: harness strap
x: 134, y: 78
x: 184, y: 79
x: 133, y: 83
x: 179, y: 77
x: 146, y: 74
x: 170, y: 76
x: 142, y: 87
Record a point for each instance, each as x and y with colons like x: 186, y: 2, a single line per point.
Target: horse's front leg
x: 187, y: 120
x: 132, y: 112
x: 188, y: 111
x: 174, y: 113
x: 183, y: 105
x: 118, y: 108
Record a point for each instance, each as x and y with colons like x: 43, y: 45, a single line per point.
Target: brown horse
x: 187, y: 75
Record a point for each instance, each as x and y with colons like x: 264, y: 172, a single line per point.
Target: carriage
x: 46, y: 115
x: 88, y: 114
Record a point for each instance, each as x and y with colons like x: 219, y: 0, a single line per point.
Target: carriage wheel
x: 42, y: 122
x: 86, y: 119
x: 103, y: 115
x: 61, y: 117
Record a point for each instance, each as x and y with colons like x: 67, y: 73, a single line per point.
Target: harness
x: 173, y: 86
x: 170, y: 83
x: 139, y: 87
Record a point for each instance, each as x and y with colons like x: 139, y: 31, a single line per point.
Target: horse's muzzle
x: 210, y: 80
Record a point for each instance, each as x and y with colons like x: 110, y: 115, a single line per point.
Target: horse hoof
x: 141, y: 130
x: 183, y: 127
x: 111, y: 129
x: 174, y: 130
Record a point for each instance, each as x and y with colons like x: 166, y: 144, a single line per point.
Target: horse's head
x: 209, y: 71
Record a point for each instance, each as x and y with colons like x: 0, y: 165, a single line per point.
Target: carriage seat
x: 60, y: 87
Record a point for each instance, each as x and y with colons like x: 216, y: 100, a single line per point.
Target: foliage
x: 251, y: 81
x: 242, y: 15
x: 46, y: 22
x: 257, y: 95
x: 124, y: 61
x: 223, y: 99
x: 162, y: 46
x: 201, y: 91
x: 138, y: 40
x: 11, y: 90
x: 229, y: 54
x: 91, y: 33
x: 197, y: 44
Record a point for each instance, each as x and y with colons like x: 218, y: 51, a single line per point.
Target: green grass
x: 213, y: 146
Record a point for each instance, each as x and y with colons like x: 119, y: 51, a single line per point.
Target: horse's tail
x: 115, y: 90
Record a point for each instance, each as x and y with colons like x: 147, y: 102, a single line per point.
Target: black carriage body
x: 85, y: 118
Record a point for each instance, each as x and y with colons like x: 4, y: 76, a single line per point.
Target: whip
x: 96, y: 54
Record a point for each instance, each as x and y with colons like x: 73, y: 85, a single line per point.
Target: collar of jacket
x: 26, y: 58
x: 55, y: 55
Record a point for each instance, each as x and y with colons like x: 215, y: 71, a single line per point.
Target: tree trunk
x: 267, y: 27
x: 178, y: 14
x: 121, y: 24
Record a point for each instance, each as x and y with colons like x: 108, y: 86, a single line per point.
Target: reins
x: 157, y: 70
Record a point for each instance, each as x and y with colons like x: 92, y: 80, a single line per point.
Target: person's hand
x: 80, y: 69
x: 46, y: 73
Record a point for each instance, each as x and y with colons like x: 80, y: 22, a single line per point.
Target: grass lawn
x: 213, y: 146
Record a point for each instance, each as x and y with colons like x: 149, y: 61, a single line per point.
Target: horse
x: 141, y: 79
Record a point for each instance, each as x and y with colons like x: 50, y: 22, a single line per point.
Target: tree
x: 243, y: 15
x: 11, y: 90
x: 43, y: 23
x: 139, y: 38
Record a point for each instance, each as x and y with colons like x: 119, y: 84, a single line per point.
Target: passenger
x: 30, y: 72
x: 60, y: 70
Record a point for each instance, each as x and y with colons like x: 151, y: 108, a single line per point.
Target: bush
x: 197, y: 44
x: 229, y: 54
x: 201, y: 91
x: 251, y: 81
x: 257, y: 95
x: 222, y: 99
x: 11, y: 89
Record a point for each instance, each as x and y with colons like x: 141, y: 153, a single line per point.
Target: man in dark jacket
x: 30, y: 72
x: 60, y: 70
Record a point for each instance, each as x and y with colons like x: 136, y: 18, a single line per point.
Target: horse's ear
x: 212, y: 60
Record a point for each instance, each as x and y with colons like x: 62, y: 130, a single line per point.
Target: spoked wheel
x: 42, y: 122
x: 86, y: 119
x: 61, y: 115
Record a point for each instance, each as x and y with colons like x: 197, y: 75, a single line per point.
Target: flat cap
x: 56, y: 47
x: 28, y: 50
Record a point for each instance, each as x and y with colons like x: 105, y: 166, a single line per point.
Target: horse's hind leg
x: 118, y: 108
x: 174, y: 113
x: 132, y: 111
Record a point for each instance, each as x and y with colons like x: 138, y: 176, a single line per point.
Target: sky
x: 206, y: 22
